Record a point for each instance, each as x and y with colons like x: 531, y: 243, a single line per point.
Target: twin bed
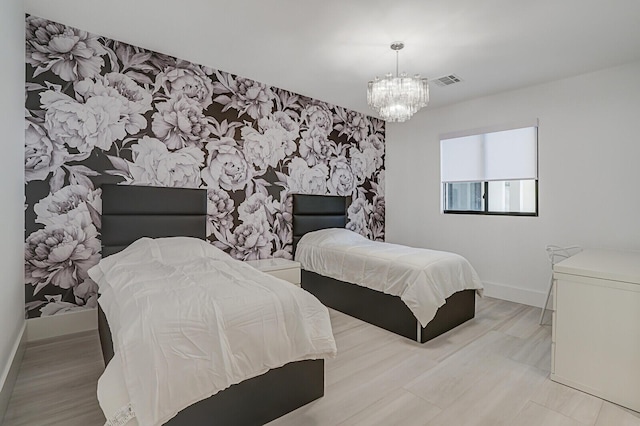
x: 402, y: 274
x: 131, y: 213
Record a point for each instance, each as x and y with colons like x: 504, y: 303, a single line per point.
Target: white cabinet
x: 288, y: 270
x: 596, y: 325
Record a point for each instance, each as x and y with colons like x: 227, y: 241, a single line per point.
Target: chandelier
x: 398, y: 98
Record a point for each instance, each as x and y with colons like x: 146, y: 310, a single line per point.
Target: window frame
x: 485, y: 183
x: 486, y: 211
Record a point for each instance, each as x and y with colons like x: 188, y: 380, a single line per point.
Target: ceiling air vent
x: 447, y: 80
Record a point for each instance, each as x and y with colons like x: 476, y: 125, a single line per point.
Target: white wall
x: 11, y: 182
x: 589, y: 179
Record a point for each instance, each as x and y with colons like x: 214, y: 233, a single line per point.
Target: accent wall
x: 102, y: 111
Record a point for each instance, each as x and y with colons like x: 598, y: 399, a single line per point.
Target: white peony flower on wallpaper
x: 374, y: 141
x: 285, y: 125
x: 257, y: 208
x: 135, y: 99
x: 259, y: 149
x: 373, y: 148
x: 268, y: 148
x: 99, y: 111
x: 316, y: 147
x: 95, y: 123
x: 226, y: 166
x: 251, y: 241
x: 60, y: 254
x: 318, y: 117
x: 243, y: 95
x: 303, y: 179
x: 69, y: 53
x: 353, y: 124
x: 186, y: 79
x: 342, y: 181
x: 153, y: 164
x: 41, y: 155
x: 66, y: 204
x: 179, y: 122
x: 360, y: 164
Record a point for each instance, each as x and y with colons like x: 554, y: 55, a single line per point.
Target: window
x: 491, y: 172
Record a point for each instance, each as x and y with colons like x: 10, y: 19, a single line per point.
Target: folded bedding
x: 422, y: 278
x: 188, y: 321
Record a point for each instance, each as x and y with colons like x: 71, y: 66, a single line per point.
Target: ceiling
x: 329, y: 49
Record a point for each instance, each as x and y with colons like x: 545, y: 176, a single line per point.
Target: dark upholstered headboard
x: 314, y: 212
x: 133, y: 212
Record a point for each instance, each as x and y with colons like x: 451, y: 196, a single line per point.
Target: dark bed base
x: 132, y: 212
x: 259, y: 400
x: 314, y: 212
x: 254, y: 401
x: 386, y: 311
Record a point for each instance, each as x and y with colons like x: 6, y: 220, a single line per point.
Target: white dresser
x: 596, y: 325
x: 288, y: 270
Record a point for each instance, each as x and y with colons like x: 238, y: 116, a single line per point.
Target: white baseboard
x: 515, y: 294
x: 59, y: 325
x: 10, y: 373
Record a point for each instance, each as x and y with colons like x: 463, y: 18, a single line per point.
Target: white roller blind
x: 501, y: 155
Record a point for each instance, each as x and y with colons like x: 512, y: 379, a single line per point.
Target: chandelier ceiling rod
x: 397, y: 46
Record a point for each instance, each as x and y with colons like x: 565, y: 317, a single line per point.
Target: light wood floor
x: 493, y: 370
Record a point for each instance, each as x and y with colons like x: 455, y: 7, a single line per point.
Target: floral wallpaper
x: 99, y: 110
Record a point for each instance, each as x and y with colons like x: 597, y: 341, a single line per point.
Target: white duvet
x: 189, y: 321
x: 422, y: 278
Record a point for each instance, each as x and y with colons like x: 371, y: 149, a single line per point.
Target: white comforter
x: 189, y: 321
x: 422, y: 278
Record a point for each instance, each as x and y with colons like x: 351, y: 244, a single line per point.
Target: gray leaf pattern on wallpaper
x: 101, y: 111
